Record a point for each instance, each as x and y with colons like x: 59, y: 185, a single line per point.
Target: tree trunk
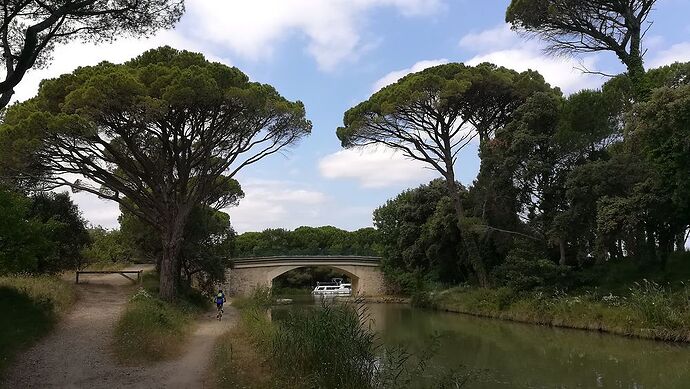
x: 680, y: 241
x: 634, y: 62
x: 650, y: 243
x: 169, y: 268
x: 466, y: 237
x: 561, y: 246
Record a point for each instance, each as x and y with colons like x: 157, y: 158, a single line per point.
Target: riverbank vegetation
x: 30, y: 308
x: 321, y: 347
x: 151, y: 329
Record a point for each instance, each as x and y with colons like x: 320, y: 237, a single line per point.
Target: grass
x: 106, y: 265
x: 648, y: 310
x: 332, y: 346
x: 619, y: 297
x: 30, y: 308
x: 238, y: 363
x: 151, y: 329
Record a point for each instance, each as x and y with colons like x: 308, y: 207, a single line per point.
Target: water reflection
x: 521, y: 355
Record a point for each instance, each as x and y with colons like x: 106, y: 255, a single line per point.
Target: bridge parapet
x: 306, y: 260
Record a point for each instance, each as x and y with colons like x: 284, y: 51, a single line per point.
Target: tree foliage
x: 160, y: 135
x: 207, y: 247
x: 325, y: 240
x: 40, y: 234
x: 419, y: 235
x: 108, y: 246
x: 30, y: 29
x: 572, y: 26
x: 433, y: 114
x: 594, y: 177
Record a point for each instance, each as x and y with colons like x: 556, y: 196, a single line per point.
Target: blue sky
x: 332, y: 54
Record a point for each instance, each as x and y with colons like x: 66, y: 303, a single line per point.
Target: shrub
x: 525, y: 269
x: 151, y: 329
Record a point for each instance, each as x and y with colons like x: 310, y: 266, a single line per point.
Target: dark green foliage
x: 598, y: 176
x: 324, y: 240
x: 526, y: 268
x: 40, y: 234
x: 67, y: 229
x: 22, y: 240
x: 419, y: 236
x: 208, y: 244
x: 23, y: 320
x: 108, y: 246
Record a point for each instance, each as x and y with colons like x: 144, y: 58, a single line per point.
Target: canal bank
x: 492, y: 353
x: 649, y: 310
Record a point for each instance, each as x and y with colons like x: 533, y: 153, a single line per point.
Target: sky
x: 333, y: 54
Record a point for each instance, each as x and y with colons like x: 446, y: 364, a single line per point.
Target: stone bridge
x: 246, y: 274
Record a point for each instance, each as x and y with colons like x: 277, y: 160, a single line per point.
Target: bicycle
x: 219, y: 315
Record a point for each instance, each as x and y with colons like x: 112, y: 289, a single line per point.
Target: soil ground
x: 77, y: 354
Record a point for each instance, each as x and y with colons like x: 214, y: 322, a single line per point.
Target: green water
x: 512, y: 355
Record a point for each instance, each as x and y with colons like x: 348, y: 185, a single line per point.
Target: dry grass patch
x: 151, y: 329
x: 237, y: 362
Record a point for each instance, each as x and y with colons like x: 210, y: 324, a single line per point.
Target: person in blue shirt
x: 220, y: 300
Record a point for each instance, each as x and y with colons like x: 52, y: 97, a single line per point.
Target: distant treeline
x: 326, y: 240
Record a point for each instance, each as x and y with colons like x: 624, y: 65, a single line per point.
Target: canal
x: 503, y: 354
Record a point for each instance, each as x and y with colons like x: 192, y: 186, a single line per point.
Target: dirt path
x: 78, y: 353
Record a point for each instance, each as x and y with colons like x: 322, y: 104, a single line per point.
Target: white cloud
x: 398, y: 74
x: 504, y: 47
x: 97, y: 211
x: 276, y: 204
x: 679, y: 52
x: 562, y: 72
x: 495, y: 38
x: 332, y: 28
x: 251, y: 29
x: 374, y: 167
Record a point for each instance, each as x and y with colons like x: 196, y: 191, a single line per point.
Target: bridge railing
x: 314, y: 260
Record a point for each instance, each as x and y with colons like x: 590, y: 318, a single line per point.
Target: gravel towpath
x: 77, y: 354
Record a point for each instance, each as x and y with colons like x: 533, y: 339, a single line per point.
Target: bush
x: 151, y: 329
x: 525, y: 269
x: 42, y: 234
x: 107, y: 246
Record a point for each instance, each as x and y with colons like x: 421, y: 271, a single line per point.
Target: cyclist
x: 220, y: 300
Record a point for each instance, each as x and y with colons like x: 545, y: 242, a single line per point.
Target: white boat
x: 333, y: 290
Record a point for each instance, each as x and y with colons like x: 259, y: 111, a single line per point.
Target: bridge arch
x: 246, y: 274
x: 275, y: 273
